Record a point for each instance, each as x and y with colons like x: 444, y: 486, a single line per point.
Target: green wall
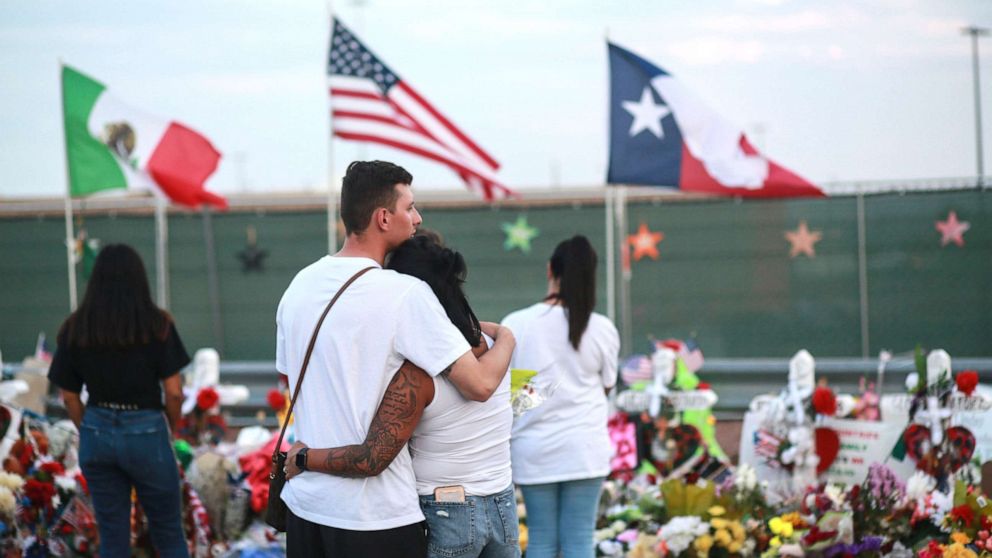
x: 724, y: 272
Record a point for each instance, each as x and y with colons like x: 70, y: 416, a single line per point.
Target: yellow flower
x: 738, y: 531
x: 780, y: 526
x: 958, y: 550
x: 717, y: 510
x: 723, y: 537
x: 735, y: 547
x: 960, y: 538
x: 719, y: 523
x: 776, y: 542
x: 523, y: 537
x: 703, y: 544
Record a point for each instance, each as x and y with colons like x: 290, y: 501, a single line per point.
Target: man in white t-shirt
x: 381, y: 320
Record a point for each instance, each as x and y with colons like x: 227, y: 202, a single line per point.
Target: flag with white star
x: 371, y: 103
x: 661, y: 134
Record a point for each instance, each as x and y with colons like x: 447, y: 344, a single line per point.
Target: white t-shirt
x: 381, y: 319
x: 565, y: 438
x: 462, y: 442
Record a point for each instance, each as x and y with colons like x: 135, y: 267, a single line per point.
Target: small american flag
x: 766, y: 444
x: 370, y: 103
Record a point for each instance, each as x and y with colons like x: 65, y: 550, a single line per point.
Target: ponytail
x: 573, y: 264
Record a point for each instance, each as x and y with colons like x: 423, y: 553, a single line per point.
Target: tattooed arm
x: 399, y: 412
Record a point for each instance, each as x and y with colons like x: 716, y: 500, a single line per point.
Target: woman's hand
x: 291, y: 469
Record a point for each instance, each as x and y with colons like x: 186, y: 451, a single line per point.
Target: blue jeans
x: 561, y: 517
x: 483, y: 526
x: 119, y: 450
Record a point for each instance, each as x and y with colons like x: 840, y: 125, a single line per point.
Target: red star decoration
x: 952, y: 230
x: 803, y: 241
x: 645, y: 243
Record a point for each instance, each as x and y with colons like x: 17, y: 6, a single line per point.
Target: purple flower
x: 884, y: 484
x: 867, y: 544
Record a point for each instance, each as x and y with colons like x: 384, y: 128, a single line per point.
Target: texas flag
x: 661, y: 134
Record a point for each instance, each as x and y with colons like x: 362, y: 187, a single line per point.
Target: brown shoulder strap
x: 306, y: 359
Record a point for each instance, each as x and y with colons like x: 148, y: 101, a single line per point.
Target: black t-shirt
x: 127, y: 377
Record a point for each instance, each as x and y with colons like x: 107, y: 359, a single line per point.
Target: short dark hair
x: 367, y: 186
x: 444, y: 271
x: 117, y: 310
x: 574, y: 265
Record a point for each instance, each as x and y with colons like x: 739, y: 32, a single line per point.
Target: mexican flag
x: 111, y: 145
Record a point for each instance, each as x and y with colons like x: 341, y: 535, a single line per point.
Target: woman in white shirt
x: 561, y: 449
x: 459, y: 446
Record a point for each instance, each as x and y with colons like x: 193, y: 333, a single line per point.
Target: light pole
x: 975, y: 32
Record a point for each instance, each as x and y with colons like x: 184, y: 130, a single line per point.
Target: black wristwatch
x: 301, y: 459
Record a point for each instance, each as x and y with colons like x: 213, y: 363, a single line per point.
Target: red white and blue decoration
x: 661, y: 134
x: 371, y: 103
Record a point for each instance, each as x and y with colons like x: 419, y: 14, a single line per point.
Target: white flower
x: 8, y: 504
x: 791, y: 549
x: 900, y: 551
x: 941, y: 505
x: 836, y: 495
x: 611, y: 548
x: 746, y: 478
x: 845, y: 405
x: 11, y: 481
x: 67, y: 484
x: 681, y: 531
x: 912, y: 380
x: 919, y: 486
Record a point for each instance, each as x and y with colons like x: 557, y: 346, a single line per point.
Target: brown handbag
x: 275, y: 511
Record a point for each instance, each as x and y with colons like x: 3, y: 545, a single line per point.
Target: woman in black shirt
x: 124, y: 350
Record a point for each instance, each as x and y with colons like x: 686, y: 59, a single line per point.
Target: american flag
x: 370, y: 103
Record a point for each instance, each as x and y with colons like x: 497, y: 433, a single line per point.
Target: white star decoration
x: 647, y: 115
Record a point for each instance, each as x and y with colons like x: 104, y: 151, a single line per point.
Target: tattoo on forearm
x: 390, y: 430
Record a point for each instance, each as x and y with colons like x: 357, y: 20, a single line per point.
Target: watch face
x: 301, y: 459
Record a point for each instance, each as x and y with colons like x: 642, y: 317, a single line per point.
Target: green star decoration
x: 519, y: 235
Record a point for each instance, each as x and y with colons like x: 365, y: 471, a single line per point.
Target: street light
x: 975, y: 32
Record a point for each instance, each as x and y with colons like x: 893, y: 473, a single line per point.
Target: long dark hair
x: 444, y: 271
x: 117, y: 310
x: 573, y: 264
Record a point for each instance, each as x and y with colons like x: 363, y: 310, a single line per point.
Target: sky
x: 834, y: 90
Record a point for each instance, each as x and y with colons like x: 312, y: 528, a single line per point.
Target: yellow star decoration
x: 802, y: 241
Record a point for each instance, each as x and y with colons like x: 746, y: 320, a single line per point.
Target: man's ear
x: 381, y: 218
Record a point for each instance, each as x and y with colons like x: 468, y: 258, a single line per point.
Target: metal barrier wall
x: 736, y: 381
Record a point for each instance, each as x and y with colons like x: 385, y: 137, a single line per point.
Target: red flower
x: 53, y: 468
x: 207, y: 399
x: 277, y: 401
x: 964, y: 514
x: 967, y: 381
x: 703, y: 385
x: 40, y: 493
x: 824, y: 401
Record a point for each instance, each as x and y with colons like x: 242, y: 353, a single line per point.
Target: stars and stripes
x: 371, y: 103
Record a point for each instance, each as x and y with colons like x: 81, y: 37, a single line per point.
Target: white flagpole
x: 332, y: 193
x: 161, y: 253
x: 611, y: 263
x: 70, y: 240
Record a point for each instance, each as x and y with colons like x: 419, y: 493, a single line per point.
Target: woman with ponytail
x: 561, y: 449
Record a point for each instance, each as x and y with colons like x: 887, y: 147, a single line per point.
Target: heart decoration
x: 960, y: 447
x: 687, y: 441
x: 954, y: 453
x: 827, y: 448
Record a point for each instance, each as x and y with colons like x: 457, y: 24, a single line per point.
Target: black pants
x: 305, y: 539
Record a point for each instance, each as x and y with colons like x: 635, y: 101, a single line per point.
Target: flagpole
x: 625, y: 318
x: 611, y: 264
x: 332, y: 194
x: 161, y: 253
x: 69, y: 236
